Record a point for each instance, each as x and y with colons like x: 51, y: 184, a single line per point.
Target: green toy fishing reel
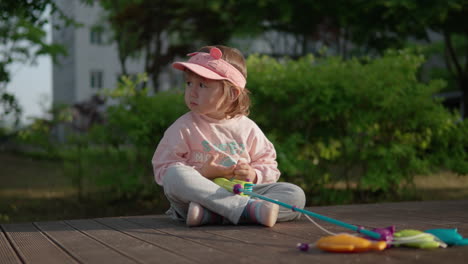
x: 232, y: 185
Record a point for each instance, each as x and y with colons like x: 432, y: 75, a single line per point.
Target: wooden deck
x: 157, y: 239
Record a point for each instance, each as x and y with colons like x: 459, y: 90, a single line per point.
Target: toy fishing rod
x: 245, y: 188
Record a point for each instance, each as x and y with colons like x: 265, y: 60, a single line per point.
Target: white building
x: 92, y: 62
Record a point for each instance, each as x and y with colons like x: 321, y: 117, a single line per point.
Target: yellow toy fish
x: 345, y: 243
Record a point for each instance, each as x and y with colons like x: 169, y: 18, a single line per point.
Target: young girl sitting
x: 217, y: 139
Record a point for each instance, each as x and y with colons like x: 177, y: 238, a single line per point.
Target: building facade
x: 92, y: 62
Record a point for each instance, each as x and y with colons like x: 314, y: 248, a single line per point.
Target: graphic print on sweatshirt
x: 226, y: 152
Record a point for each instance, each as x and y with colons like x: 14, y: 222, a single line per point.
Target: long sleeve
x: 194, y: 138
x: 171, y: 150
x: 263, y: 158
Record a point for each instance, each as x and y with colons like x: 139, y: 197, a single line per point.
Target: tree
x: 161, y: 30
x: 22, y: 39
x: 142, y: 28
x: 375, y: 26
x: 397, y: 20
x: 307, y: 21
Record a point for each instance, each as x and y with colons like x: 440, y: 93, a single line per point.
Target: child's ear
x: 235, y: 92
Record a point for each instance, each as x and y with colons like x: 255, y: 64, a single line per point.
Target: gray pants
x: 183, y: 184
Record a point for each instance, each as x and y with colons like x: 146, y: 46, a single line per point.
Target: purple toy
x: 386, y: 234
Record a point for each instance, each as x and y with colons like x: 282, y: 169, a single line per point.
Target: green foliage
x: 450, y: 149
x: 116, y: 156
x: 23, y: 39
x: 39, y: 135
x: 363, y: 121
x: 9, y: 110
x: 138, y: 119
x: 187, y: 24
x: 367, y: 123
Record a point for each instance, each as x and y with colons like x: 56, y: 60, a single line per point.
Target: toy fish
x: 449, y: 236
x: 345, y: 243
x: 417, y: 239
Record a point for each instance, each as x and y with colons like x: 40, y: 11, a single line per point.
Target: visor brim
x: 199, y: 70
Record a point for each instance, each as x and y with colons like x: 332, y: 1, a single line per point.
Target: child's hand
x: 244, y: 171
x: 212, y: 170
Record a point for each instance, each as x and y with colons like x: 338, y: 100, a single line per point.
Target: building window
x: 95, y: 36
x: 96, y: 79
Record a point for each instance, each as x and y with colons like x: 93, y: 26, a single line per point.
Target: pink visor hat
x: 211, y: 66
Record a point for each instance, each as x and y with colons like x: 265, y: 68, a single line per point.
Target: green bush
x: 117, y: 154
x: 38, y: 139
x: 367, y: 122
x: 450, y: 150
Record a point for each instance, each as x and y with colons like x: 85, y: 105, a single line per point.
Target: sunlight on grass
x: 442, y: 180
x: 21, y: 172
x: 442, y: 186
x: 37, y: 193
x: 27, y: 178
x: 39, y: 190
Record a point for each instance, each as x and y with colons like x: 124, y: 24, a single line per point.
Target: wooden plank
x: 263, y: 244
x: 190, y: 250
x: 7, y: 253
x: 79, y: 245
x: 413, y: 218
x: 237, y: 249
x: 417, y: 215
x: 375, y: 215
x: 283, y: 244
x: 136, y: 249
x: 441, y: 210
x: 242, y: 248
x: 268, y: 244
x: 33, y: 246
x: 149, y: 239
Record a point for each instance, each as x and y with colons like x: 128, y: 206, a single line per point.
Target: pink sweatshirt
x: 193, y: 138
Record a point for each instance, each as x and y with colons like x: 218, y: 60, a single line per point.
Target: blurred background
x: 365, y: 101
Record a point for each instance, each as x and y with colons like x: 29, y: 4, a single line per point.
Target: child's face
x: 203, y: 96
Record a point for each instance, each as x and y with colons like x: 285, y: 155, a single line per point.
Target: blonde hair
x: 240, y: 106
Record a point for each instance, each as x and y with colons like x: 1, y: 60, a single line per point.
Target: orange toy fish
x: 345, y: 243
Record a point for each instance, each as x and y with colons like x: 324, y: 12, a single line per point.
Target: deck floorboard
x: 159, y: 239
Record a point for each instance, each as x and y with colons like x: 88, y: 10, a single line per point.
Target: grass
x: 32, y: 178
x: 37, y: 190
x: 442, y: 186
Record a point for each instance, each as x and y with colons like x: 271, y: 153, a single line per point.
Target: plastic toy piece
x: 235, y: 186
x: 449, y: 236
x: 386, y: 234
x: 344, y: 243
x: 303, y: 246
x: 417, y: 239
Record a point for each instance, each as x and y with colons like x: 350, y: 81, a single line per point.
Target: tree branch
x: 466, y: 56
x: 447, y: 61
x: 345, y: 42
x: 451, y: 52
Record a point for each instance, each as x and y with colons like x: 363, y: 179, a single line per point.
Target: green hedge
x: 367, y: 122
x: 117, y: 155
